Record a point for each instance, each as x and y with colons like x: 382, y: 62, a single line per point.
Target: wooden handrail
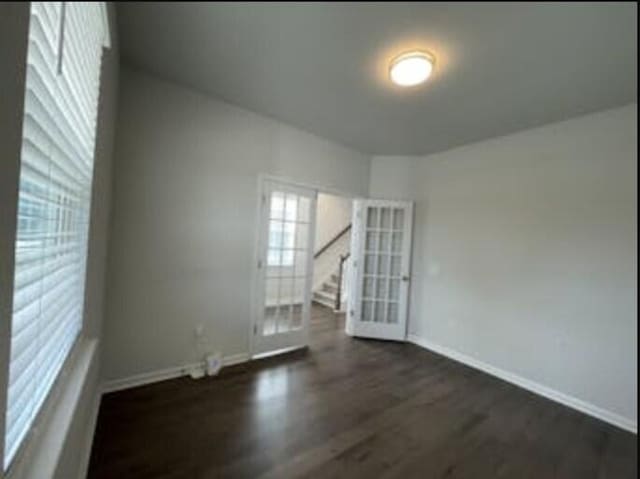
x: 331, y: 241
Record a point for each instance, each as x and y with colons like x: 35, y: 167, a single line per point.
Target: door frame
x: 255, y: 295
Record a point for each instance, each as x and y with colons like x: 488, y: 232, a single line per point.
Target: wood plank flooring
x: 351, y: 408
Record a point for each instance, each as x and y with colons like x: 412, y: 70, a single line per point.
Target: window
x: 56, y: 172
x: 281, y: 234
x: 282, y: 230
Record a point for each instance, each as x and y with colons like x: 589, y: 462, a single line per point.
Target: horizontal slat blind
x: 61, y: 98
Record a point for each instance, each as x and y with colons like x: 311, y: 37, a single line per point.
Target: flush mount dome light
x: 411, y: 68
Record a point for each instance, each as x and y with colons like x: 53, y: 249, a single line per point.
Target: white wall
x: 333, y: 215
x: 525, y: 254
x: 184, y: 218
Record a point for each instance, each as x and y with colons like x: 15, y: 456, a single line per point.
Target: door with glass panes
x: 381, y: 248
x: 285, y: 267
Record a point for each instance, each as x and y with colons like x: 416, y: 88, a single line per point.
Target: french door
x: 381, y: 248
x: 285, y: 267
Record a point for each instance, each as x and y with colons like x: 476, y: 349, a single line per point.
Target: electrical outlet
x: 213, y: 363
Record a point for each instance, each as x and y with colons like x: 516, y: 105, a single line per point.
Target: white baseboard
x: 236, y: 359
x: 85, y: 454
x: 164, y: 374
x: 549, y: 393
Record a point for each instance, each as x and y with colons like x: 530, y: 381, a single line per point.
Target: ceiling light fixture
x: 411, y: 68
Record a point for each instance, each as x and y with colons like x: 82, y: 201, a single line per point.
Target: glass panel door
x: 286, y: 249
x: 381, y: 246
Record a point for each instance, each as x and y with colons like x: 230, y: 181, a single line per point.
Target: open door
x: 285, y: 266
x: 381, y: 249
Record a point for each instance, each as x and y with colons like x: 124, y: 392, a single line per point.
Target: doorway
x: 331, y: 265
x: 323, y: 256
x: 332, y: 253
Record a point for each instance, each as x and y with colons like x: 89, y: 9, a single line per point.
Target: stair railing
x: 329, y: 243
x: 343, y: 258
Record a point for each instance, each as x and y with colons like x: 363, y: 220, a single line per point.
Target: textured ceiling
x: 501, y: 67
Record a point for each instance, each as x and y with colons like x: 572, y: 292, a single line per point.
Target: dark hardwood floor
x: 355, y: 409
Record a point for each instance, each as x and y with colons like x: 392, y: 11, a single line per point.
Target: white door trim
x: 329, y: 190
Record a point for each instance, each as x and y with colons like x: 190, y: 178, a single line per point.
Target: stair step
x: 325, y: 295
x: 325, y: 298
x: 324, y: 303
x: 330, y: 288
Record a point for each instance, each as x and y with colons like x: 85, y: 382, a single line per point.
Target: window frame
x: 56, y: 389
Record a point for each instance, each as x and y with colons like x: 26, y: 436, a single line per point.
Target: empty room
x: 318, y: 240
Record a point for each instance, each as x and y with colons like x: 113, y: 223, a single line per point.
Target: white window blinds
x: 61, y: 98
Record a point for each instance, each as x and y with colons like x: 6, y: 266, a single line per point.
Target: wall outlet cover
x: 213, y: 363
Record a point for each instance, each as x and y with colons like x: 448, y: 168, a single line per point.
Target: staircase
x: 327, y: 293
x: 329, y: 263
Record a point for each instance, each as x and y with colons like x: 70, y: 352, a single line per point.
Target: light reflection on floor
x: 272, y: 383
x: 272, y: 389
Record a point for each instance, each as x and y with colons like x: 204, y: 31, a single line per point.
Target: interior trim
x: 85, y: 454
x: 578, y: 404
x: 164, y: 374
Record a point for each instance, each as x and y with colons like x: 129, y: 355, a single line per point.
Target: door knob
x: 406, y: 278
